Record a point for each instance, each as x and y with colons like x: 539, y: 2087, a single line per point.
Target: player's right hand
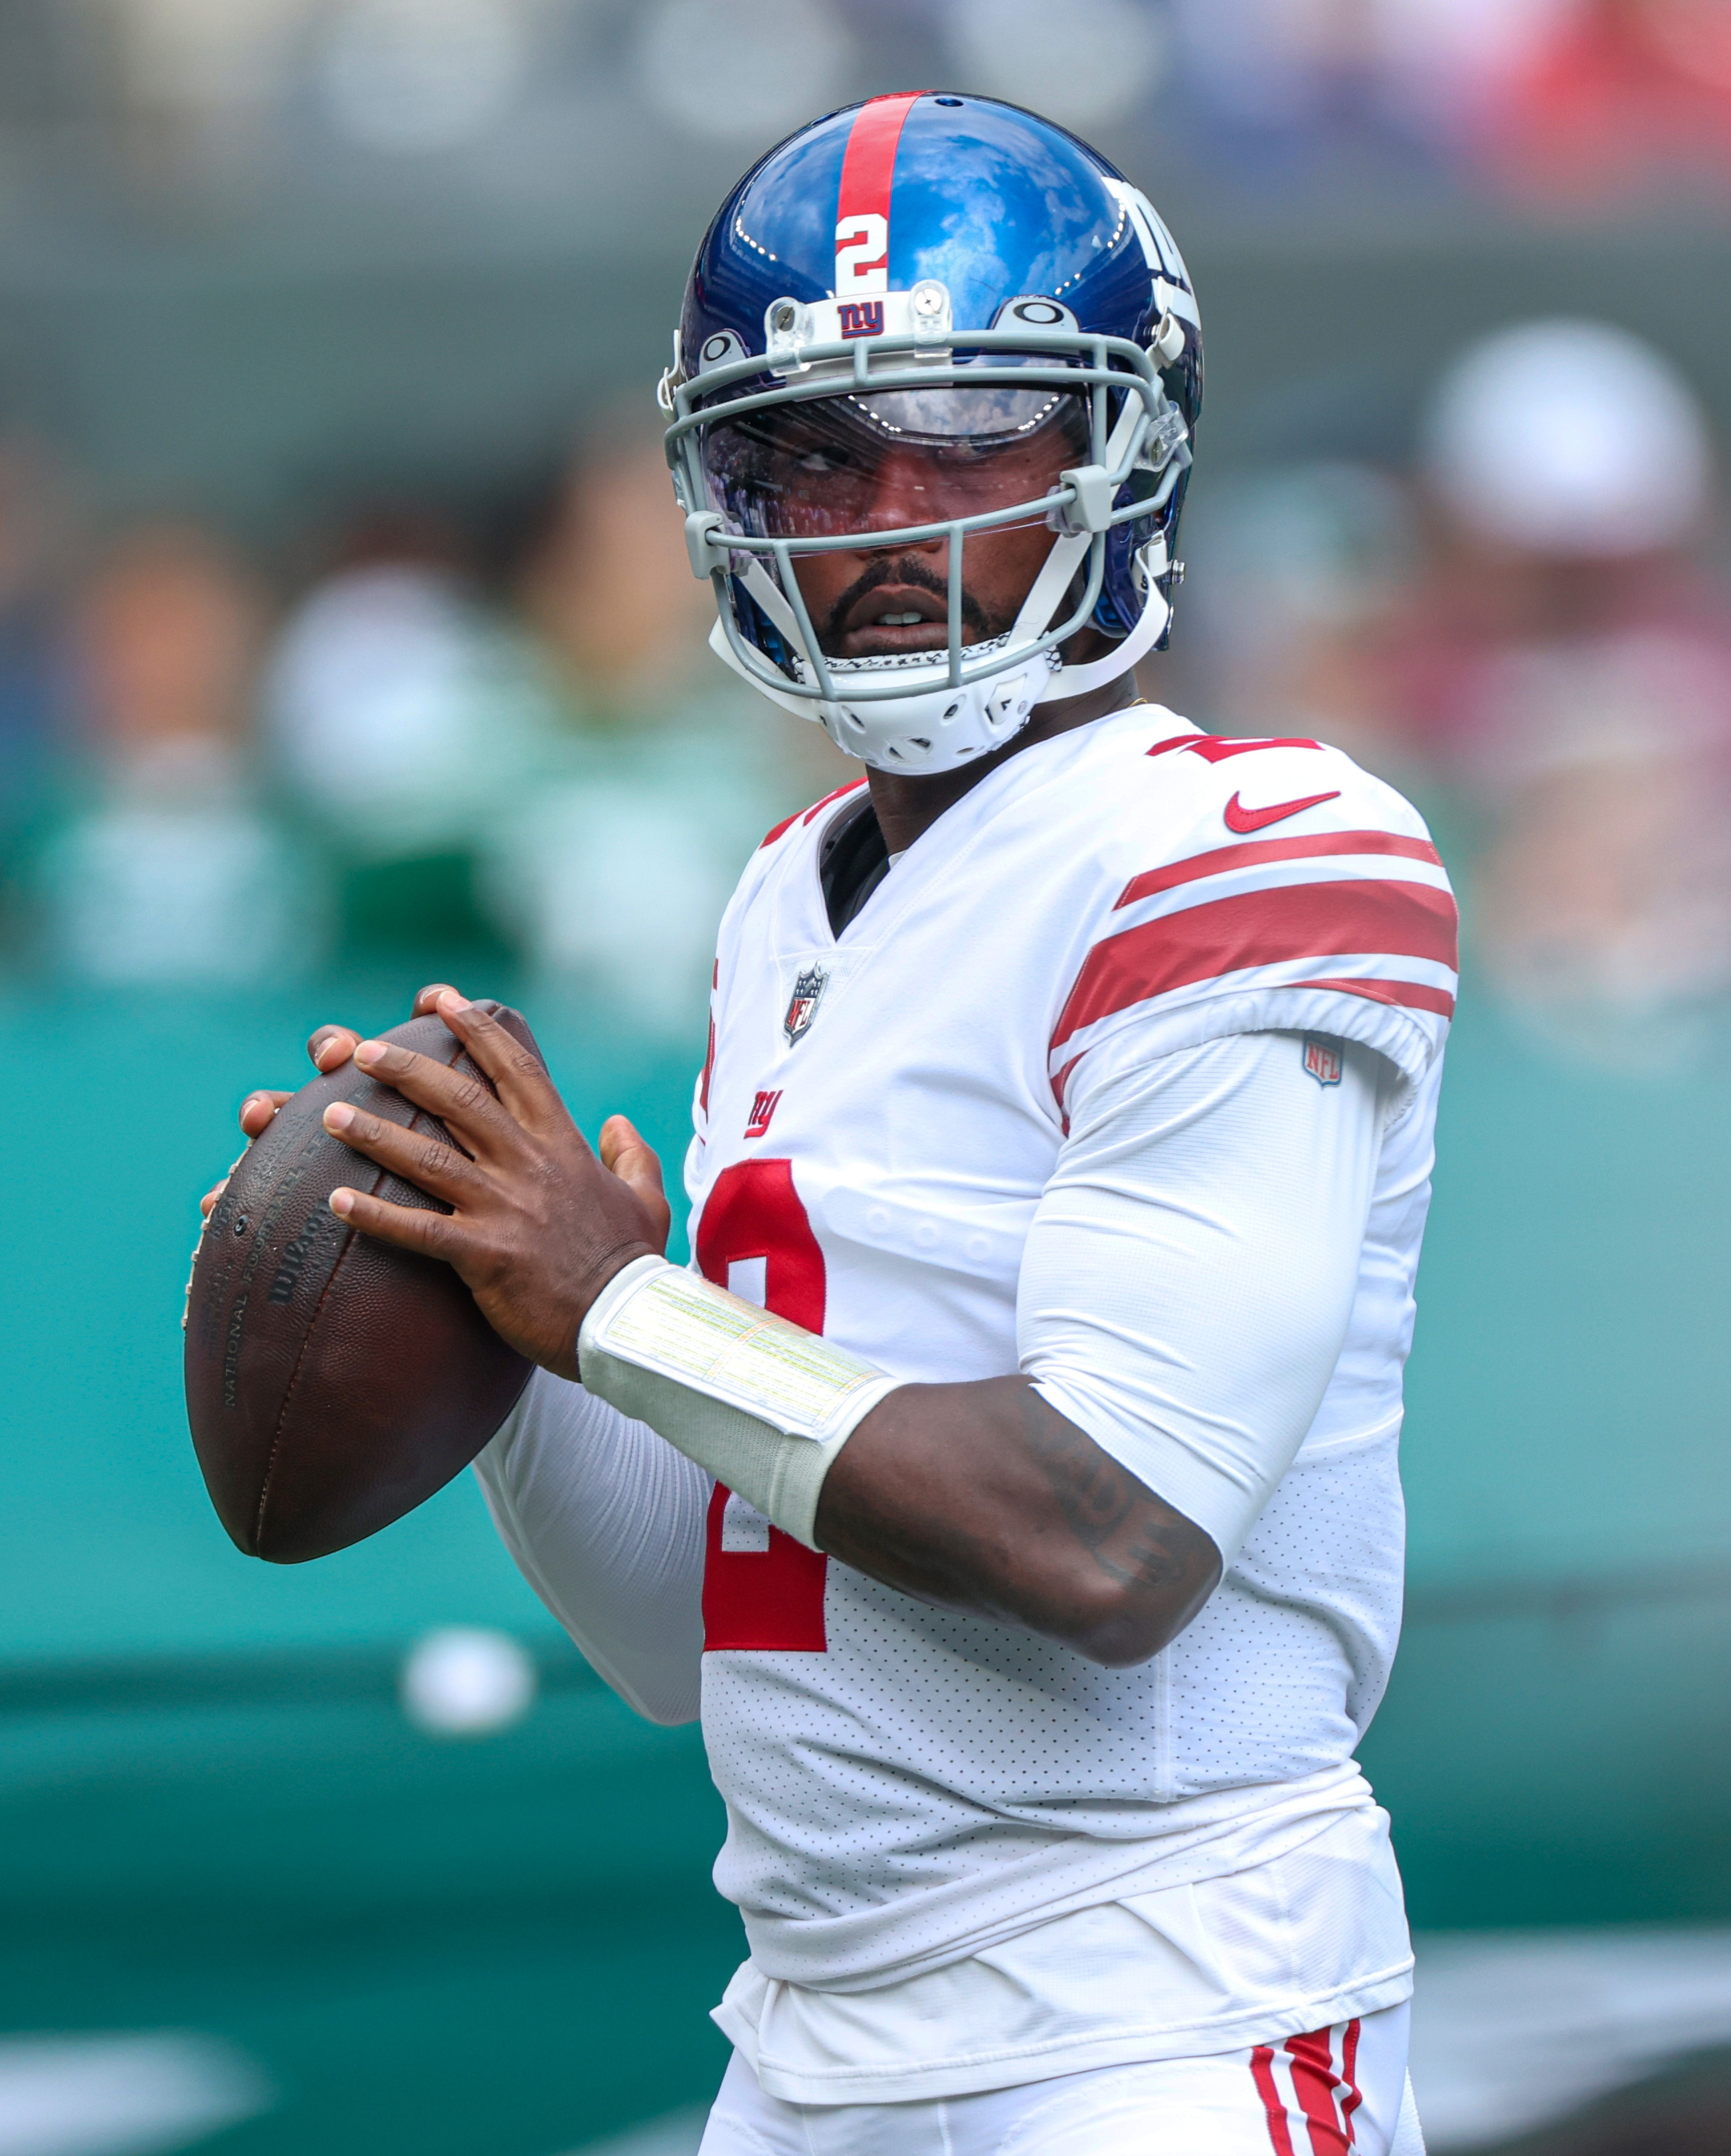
x: 329, y: 1047
x: 622, y: 1151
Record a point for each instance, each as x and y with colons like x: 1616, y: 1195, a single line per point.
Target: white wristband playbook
x: 764, y: 1405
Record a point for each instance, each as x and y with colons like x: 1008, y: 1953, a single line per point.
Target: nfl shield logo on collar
x: 807, y: 994
x: 1322, y: 1059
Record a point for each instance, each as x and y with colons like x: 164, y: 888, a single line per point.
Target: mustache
x: 909, y: 573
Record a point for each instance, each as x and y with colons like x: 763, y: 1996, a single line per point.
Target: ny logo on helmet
x: 862, y: 318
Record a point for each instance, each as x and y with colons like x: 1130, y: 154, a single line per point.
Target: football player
x: 1010, y: 1483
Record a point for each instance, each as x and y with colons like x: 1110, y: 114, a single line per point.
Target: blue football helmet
x: 923, y: 317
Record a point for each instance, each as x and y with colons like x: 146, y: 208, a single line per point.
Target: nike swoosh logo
x: 1241, y: 819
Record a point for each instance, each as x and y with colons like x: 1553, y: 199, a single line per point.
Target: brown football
x: 333, y: 1382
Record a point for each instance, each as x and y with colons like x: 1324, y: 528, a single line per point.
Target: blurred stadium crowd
x: 462, y: 734
x: 449, y: 737
x: 347, y: 640
x: 466, y: 717
x: 1538, y: 96
x: 1528, y: 632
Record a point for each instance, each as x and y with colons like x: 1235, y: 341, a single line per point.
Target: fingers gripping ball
x: 333, y: 1382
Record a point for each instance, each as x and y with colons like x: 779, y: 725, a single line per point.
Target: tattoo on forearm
x: 1133, y: 1537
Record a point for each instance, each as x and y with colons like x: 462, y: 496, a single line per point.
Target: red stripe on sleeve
x: 1259, y: 928
x: 1262, y: 2071
x: 1413, y: 995
x: 1058, y: 1083
x: 868, y: 162
x: 1313, y: 2083
x: 1258, y: 850
x: 1217, y: 747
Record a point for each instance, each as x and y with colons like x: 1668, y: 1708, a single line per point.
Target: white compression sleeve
x: 606, y: 1521
x: 1191, y: 1272
x: 765, y: 1406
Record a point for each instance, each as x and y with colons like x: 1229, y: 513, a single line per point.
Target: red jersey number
x: 768, y: 1600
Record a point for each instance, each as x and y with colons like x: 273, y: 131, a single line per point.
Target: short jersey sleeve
x: 1257, y: 886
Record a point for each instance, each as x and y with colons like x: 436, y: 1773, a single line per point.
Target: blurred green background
x: 346, y: 642
x: 218, y: 1818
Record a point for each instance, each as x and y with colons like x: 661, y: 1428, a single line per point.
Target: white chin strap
x: 928, y: 724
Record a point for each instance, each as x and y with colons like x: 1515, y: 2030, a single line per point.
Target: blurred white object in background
x: 122, y: 2094
x: 740, y: 73
x: 1512, y: 2029
x: 399, y: 711
x: 464, y: 1681
x: 1084, y: 64
x: 1571, y: 439
x: 414, y: 77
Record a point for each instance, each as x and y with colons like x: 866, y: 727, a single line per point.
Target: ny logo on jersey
x: 1322, y: 1059
x: 763, y: 1107
x: 862, y: 318
x: 807, y: 994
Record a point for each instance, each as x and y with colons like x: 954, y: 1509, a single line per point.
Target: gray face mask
x: 890, y: 460
x: 1072, y: 434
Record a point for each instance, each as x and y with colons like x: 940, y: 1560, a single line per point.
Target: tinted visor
x: 890, y: 460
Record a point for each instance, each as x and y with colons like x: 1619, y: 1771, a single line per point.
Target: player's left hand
x: 538, y: 1225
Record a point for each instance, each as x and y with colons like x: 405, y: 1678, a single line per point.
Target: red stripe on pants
x: 1262, y: 2068
x: 1314, y: 2082
x: 1354, y: 2095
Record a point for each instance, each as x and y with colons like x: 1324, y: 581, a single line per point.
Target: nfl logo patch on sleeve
x: 1322, y: 1059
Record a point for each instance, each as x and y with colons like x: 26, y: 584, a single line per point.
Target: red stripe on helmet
x: 868, y: 168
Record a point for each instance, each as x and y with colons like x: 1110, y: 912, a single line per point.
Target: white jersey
x: 880, y: 1116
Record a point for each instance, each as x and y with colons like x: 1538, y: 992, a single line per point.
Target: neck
x: 906, y: 807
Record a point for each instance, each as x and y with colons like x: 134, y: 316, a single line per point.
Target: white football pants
x: 1336, y: 2091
